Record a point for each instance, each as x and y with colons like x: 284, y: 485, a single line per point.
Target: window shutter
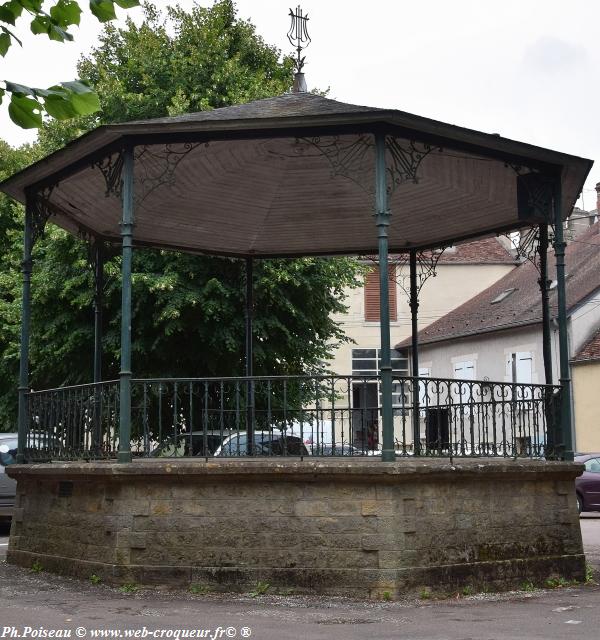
x: 372, y: 294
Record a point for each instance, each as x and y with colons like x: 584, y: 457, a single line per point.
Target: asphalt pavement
x: 34, y: 604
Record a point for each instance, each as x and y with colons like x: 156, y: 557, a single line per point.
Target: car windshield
x: 8, y: 452
x: 593, y: 465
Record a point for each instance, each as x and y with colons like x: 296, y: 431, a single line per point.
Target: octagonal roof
x: 293, y: 175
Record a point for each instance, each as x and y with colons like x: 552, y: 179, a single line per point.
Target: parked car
x: 266, y: 443
x: 587, y: 485
x: 40, y: 446
x: 202, y: 444
x: 339, y: 449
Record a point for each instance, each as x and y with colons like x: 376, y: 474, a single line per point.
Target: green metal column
x: 23, y: 422
x: 565, y: 436
x: 249, y: 357
x: 544, y: 283
x: 414, y: 315
x: 382, y: 220
x: 98, y: 264
x: 98, y: 250
x: 125, y: 373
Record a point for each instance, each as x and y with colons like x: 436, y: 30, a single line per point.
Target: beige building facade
x: 585, y: 373
x: 461, y: 273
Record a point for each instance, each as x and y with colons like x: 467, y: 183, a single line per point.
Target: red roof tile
x: 488, y: 251
x: 590, y: 350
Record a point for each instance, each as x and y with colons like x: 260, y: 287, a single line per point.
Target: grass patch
x: 260, y: 589
x: 199, y: 589
x: 36, y: 567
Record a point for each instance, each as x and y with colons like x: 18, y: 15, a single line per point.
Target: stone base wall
x: 359, y: 527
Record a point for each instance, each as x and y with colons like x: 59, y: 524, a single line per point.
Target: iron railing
x: 75, y: 422
x: 296, y: 416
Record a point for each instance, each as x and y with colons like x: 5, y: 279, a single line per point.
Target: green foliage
x: 387, y: 596
x: 558, y: 583
x: 527, y: 586
x: 425, y: 594
x: 129, y: 587
x: 37, y: 567
x: 589, y: 573
x: 467, y: 591
x: 95, y: 579
x: 199, y: 589
x: 260, y: 589
x: 68, y: 99
x: 188, y: 311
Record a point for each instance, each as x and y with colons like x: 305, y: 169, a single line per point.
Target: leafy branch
x: 67, y: 99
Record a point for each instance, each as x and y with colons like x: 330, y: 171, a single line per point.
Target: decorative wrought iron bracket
x: 354, y: 159
x: 427, y: 261
x: 406, y: 159
x: 528, y: 247
x: 111, y: 168
x: 160, y: 166
x: 41, y: 211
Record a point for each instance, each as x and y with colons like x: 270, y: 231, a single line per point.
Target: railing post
x: 565, y: 431
x: 249, y: 357
x: 382, y: 220
x: 124, y: 454
x: 414, y: 316
x: 27, y: 264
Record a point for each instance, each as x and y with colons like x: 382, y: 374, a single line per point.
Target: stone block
x: 377, y: 508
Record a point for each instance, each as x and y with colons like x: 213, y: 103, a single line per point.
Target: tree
x: 188, y: 310
x: 67, y: 99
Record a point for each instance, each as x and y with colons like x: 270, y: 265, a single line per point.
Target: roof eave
x: 99, y: 142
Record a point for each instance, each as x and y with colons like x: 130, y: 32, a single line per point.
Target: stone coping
x: 305, y: 470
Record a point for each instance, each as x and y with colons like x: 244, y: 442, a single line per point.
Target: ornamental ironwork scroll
x: 41, y: 210
x: 156, y: 166
x: 427, y: 261
x: 406, y: 157
x: 354, y: 158
x: 111, y: 168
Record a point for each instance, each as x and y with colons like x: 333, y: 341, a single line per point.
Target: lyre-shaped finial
x: 299, y: 38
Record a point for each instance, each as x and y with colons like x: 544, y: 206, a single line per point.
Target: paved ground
x: 49, y: 602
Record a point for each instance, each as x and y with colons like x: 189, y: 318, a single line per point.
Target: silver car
x: 8, y: 487
x: 39, y: 448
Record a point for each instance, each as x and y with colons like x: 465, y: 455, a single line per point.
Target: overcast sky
x: 527, y: 69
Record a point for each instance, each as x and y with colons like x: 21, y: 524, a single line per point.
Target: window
x: 366, y: 362
x: 372, y: 294
x: 519, y: 370
x: 464, y: 371
x: 520, y: 365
